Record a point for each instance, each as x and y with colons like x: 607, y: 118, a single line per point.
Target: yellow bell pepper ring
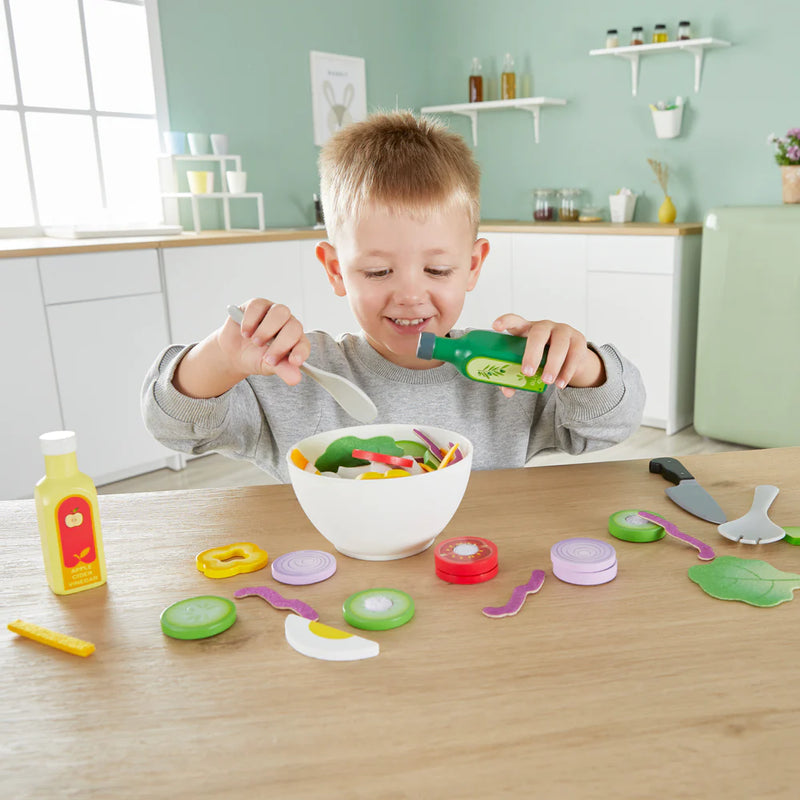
x: 232, y: 559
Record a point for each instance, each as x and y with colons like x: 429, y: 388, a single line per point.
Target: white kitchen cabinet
x: 107, y: 323
x: 492, y: 296
x: 642, y: 297
x: 202, y: 281
x: 29, y: 401
x: 549, y: 277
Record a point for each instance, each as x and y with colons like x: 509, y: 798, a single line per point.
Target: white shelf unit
x: 632, y: 53
x: 470, y: 110
x: 169, y: 182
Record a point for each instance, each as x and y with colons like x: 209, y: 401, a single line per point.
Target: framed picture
x: 338, y: 93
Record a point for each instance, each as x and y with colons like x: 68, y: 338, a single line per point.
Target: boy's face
x: 404, y: 275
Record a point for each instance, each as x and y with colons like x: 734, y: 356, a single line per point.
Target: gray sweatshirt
x: 260, y: 418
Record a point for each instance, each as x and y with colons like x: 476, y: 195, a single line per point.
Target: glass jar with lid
x: 612, y: 38
x: 660, y: 34
x: 544, y: 205
x: 637, y: 35
x: 684, y: 30
x: 568, y: 210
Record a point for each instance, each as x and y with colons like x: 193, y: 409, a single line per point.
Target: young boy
x: 401, y: 203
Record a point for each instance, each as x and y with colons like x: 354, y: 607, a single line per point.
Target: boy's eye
x: 376, y: 273
x: 439, y: 272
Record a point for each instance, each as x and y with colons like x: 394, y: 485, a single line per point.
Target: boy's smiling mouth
x: 408, y: 325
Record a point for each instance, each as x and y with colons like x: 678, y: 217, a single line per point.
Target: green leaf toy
x: 746, y: 579
x: 339, y: 453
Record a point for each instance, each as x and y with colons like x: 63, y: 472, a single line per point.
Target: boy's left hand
x: 569, y: 361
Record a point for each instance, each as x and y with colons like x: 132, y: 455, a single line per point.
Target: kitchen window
x: 82, y: 99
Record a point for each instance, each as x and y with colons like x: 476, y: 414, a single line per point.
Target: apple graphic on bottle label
x: 74, y: 519
x: 76, y: 531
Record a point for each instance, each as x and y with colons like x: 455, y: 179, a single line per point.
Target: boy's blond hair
x: 398, y: 162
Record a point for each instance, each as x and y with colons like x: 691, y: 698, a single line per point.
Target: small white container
x: 237, y: 181
x: 622, y: 207
x: 219, y: 144
x: 668, y: 122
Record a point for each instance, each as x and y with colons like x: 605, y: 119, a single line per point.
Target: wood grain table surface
x: 644, y: 687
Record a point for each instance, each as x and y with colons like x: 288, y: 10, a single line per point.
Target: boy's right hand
x: 270, y: 341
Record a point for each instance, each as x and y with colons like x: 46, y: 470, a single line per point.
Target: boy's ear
x: 326, y: 253
x: 479, y: 252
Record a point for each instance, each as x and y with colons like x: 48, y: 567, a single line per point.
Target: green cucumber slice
x: 198, y: 617
x: 412, y: 449
x: 630, y: 527
x: 378, y: 609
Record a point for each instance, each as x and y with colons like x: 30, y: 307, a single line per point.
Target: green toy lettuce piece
x: 746, y: 579
x: 339, y: 453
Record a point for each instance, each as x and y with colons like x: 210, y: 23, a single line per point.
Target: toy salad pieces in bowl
x: 381, y: 492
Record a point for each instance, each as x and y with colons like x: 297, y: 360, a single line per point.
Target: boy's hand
x: 569, y: 361
x: 270, y: 341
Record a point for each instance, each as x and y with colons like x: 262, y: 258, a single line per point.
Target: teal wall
x: 242, y: 67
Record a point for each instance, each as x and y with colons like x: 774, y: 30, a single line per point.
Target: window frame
x: 161, y: 115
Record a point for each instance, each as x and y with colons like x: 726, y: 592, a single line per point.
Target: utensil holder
x: 668, y: 122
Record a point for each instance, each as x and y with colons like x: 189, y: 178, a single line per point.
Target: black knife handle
x: 670, y: 469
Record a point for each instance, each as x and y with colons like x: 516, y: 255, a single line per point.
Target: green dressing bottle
x: 485, y: 356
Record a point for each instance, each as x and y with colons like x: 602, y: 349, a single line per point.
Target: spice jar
x: 637, y: 35
x: 568, y: 212
x: 543, y: 208
x: 684, y: 30
x: 660, y: 34
x: 612, y: 38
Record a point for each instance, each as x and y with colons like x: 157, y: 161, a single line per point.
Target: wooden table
x: 644, y: 687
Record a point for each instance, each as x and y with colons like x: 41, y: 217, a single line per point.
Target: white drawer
x: 92, y: 276
x: 646, y: 255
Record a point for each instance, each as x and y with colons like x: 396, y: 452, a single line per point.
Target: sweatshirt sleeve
x: 579, y: 420
x: 195, y: 425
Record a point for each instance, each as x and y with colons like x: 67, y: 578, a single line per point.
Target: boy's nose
x: 407, y: 292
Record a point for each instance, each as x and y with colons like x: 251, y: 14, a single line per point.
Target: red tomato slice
x: 381, y: 458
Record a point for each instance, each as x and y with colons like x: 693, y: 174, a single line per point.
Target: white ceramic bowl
x: 380, y: 520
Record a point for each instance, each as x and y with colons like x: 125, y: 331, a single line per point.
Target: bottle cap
x: 425, y: 345
x: 612, y: 30
x: 57, y: 443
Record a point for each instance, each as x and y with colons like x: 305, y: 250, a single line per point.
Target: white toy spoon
x: 755, y: 527
x: 349, y: 396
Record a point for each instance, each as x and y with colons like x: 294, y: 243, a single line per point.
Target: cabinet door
x: 102, y: 349
x: 322, y: 309
x: 549, y: 277
x: 202, y: 281
x: 28, y: 401
x: 491, y: 297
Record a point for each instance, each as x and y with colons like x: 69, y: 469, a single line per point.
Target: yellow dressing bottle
x: 69, y: 520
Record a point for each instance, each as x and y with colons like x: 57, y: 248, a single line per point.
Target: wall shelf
x: 470, y: 110
x: 632, y: 53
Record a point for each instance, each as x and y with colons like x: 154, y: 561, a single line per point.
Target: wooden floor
x: 215, y: 471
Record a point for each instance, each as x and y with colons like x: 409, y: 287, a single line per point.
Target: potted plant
x: 787, y: 156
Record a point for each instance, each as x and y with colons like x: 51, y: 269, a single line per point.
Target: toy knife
x: 687, y: 493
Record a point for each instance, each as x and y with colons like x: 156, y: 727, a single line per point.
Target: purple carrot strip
x: 517, y: 596
x: 277, y: 600
x: 705, y: 552
x: 431, y: 446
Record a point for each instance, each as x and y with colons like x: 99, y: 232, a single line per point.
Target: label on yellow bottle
x: 77, y: 543
x: 503, y: 373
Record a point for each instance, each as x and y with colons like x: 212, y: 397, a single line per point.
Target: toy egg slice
x: 315, y: 640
